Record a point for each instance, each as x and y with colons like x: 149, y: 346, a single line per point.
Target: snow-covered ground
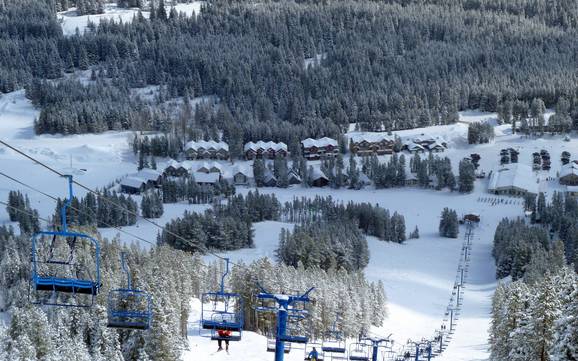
x: 418, y: 276
x: 71, y: 21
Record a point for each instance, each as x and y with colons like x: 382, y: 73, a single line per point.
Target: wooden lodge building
x: 314, y: 149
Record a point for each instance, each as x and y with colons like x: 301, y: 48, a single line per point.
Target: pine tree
x: 467, y: 176
x: 259, y: 172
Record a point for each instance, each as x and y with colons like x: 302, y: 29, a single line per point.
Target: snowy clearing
x: 71, y: 21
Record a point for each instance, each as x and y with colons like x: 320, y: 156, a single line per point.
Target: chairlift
x: 129, y: 307
x: 222, y: 310
x: 294, y: 332
x: 358, y: 351
x: 333, y: 341
x: 60, y: 275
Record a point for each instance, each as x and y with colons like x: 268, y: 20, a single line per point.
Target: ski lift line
x: 73, y: 208
x: 200, y: 248
x: 24, y: 211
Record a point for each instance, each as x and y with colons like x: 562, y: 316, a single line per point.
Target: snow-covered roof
x: 515, y: 175
x: 173, y: 163
x: 319, y: 143
x: 210, y: 144
x: 148, y: 174
x: 371, y: 137
x: 436, y: 144
x: 207, y: 165
x: 265, y: 146
x: 206, y: 177
x: 414, y: 146
x: 318, y: 174
x: 133, y: 182
x: 243, y: 170
x: 572, y: 189
x: 569, y: 169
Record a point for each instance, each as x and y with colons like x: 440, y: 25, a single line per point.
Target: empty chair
x: 128, y: 307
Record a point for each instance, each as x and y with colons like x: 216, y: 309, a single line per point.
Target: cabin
x: 318, y: 178
x: 206, y: 150
x: 435, y: 147
x: 269, y: 150
x: 371, y: 143
x: 269, y: 180
x: 242, y: 176
x: 294, y: 177
x: 175, y: 169
x: 472, y: 218
x: 153, y: 177
x: 513, y: 179
x: 569, y: 174
x: 314, y: 149
x: 411, y: 180
x: 133, y: 185
x: 413, y: 148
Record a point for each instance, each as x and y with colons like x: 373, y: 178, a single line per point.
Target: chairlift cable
x: 74, y: 208
x: 88, y: 189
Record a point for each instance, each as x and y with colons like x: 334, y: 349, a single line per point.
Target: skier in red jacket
x: 223, y: 335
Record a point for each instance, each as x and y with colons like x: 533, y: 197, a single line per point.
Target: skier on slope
x: 313, y: 355
x: 223, y: 335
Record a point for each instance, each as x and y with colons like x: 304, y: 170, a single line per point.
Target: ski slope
x: 418, y: 275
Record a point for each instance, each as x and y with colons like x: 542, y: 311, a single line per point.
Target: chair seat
x: 358, y: 358
x: 129, y: 314
x: 227, y: 326
x: 129, y: 325
x: 68, y: 285
x: 295, y: 339
x: 229, y: 338
x: 333, y: 349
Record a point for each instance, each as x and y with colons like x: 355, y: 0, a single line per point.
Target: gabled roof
x: 173, y: 163
x: 242, y: 170
x: 414, y: 146
x: 318, y: 174
x: 319, y: 143
x: 371, y: 137
x: 265, y: 145
x: 514, y: 175
x: 133, y: 182
x: 148, y: 174
x: 195, y: 145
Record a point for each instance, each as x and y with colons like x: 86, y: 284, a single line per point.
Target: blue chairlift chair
x: 222, y: 310
x: 358, y: 351
x: 129, y: 308
x: 334, y: 342
x: 58, y: 276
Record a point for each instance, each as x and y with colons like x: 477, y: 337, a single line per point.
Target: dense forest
x: 534, y: 316
x: 385, y: 65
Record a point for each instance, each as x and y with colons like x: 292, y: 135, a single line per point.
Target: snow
x: 95, y: 160
x: 515, y: 175
x: 319, y: 143
x: 70, y: 20
x: 418, y: 275
x: 314, y: 61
